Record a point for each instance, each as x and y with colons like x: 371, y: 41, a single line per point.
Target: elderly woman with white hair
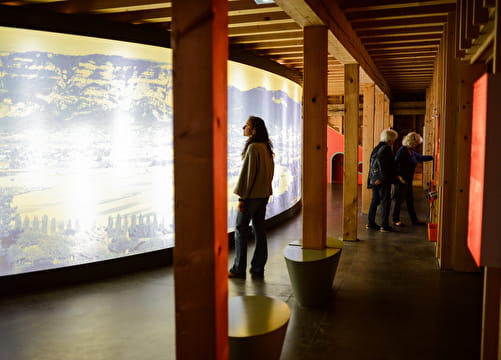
x: 380, y: 177
x: 406, y: 160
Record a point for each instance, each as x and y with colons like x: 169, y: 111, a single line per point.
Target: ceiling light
x: 262, y: 2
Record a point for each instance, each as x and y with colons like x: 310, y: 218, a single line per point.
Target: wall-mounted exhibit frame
x: 483, y: 230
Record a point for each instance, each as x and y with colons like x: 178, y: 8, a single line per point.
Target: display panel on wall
x: 86, y: 150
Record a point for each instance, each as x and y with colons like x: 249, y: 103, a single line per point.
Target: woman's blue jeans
x: 255, y: 210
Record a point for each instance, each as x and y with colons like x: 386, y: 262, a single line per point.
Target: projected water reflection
x: 86, y: 157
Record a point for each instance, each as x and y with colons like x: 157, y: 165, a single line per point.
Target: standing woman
x: 381, y: 176
x: 406, y: 160
x: 254, y: 190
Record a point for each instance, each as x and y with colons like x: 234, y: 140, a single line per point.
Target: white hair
x: 388, y: 135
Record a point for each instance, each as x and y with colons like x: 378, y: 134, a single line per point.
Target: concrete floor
x: 389, y: 301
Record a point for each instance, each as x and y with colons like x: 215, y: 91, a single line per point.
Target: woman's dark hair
x: 259, y: 135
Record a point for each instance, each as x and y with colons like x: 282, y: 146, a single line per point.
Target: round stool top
x: 255, y: 315
x: 296, y: 253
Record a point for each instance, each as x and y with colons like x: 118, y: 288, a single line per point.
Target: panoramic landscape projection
x: 86, y: 150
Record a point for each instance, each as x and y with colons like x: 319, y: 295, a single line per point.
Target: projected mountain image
x: 283, y: 120
x: 86, y: 157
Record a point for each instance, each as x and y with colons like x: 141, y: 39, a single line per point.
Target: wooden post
x: 428, y: 135
x: 315, y: 138
x: 440, y: 92
x: 200, y: 48
x: 386, y: 113
x: 367, y: 142
x: 456, y: 140
x: 378, y: 118
x: 350, y: 168
x: 491, y: 316
x: 448, y: 161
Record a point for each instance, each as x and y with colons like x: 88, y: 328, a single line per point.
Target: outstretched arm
x: 420, y: 157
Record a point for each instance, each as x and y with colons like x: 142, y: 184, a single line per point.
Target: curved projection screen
x: 86, y: 155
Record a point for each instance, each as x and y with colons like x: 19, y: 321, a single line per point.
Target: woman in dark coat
x: 406, y: 160
x: 381, y: 176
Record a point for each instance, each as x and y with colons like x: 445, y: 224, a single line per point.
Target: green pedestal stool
x: 312, y: 271
x: 257, y: 327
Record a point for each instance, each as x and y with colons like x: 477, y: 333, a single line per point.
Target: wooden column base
x: 257, y: 327
x: 312, y: 273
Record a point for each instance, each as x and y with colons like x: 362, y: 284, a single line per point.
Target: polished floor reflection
x: 389, y: 301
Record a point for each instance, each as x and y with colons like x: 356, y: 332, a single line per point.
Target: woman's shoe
x: 398, y: 223
x: 385, y: 229
x: 257, y: 274
x: 232, y: 275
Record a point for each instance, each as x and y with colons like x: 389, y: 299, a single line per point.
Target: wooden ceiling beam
x: 368, y: 5
x: 419, y: 42
x: 300, y: 11
x: 412, y: 84
x: 402, y: 46
x: 272, y: 37
x: 410, y: 80
x: 418, y: 66
x: 392, y: 61
x: 436, y: 31
x: 395, y: 63
x: 383, y: 59
x: 403, y: 38
x: 245, y: 7
x: 289, y: 57
x: 409, y: 61
x: 263, y: 29
x: 258, y: 18
x: 412, y: 87
x: 404, y: 52
x: 261, y: 23
x: 294, y: 43
x: 296, y: 63
x: 334, y: 18
x: 434, y: 20
x: 357, y: 14
x: 410, y: 73
x: 138, y: 16
x: 304, y: 15
x: 395, y: 42
x: 113, y: 6
x: 284, y: 52
x: 422, y: 78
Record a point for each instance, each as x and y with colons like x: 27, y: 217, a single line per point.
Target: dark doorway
x: 337, y: 162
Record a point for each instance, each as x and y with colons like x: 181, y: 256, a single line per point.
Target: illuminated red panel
x: 485, y: 193
x: 477, y: 168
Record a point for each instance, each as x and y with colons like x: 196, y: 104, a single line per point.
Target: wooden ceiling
x: 400, y: 37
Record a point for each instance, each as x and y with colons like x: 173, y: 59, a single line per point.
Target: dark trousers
x: 380, y: 195
x: 403, y: 192
x: 255, y: 210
